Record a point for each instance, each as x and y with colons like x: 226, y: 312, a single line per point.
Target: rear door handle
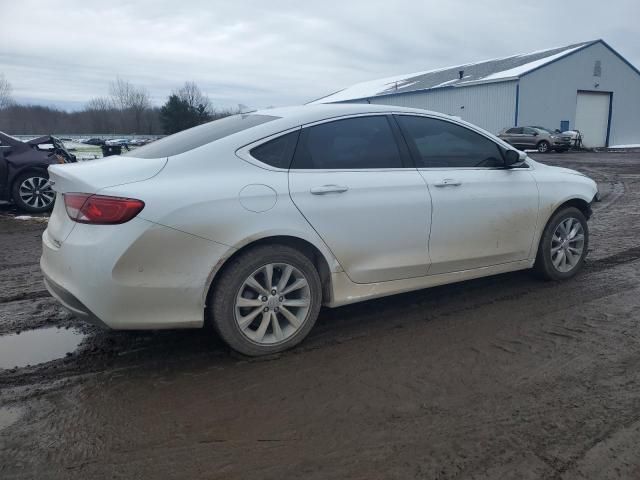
x: 324, y: 189
x: 448, y: 182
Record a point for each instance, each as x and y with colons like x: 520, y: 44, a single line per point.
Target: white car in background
x: 254, y: 221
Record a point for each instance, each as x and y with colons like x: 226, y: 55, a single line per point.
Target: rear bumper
x: 137, y: 275
x: 71, y: 303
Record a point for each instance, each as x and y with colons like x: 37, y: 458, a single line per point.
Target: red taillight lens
x: 101, y: 209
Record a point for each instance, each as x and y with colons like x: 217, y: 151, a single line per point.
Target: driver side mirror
x: 535, y: 134
x: 513, y: 158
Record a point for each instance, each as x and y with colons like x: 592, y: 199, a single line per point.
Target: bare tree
x: 191, y: 94
x: 99, y: 104
x: 100, y: 113
x: 132, y: 101
x: 5, y: 92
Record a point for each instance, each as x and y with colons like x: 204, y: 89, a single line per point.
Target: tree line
x: 126, y: 109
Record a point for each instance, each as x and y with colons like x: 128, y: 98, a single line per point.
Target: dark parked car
x: 539, y: 138
x: 94, y: 141
x: 23, y: 170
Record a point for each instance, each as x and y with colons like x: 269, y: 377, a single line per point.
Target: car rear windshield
x: 197, y: 136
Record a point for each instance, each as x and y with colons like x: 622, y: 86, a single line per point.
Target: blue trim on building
x: 562, y: 57
x: 579, y: 50
x: 620, y: 57
x: 609, y: 119
x: 517, y: 102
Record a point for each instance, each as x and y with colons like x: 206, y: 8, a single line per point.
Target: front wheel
x: 563, y: 246
x: 32, y: 192
x: 543, y: 146
x: 266, y: 300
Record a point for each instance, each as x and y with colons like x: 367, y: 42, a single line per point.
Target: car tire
x: 28, y: 193
x: 257, y: 315
x: 563, y: 246
x: 543, y: 146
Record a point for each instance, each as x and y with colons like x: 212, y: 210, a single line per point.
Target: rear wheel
x: 266, y: 300
x: 32, y: 192
x: 543, y: 146
x: 563, y: 246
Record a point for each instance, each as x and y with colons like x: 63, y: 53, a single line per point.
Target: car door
x: 353, y: 180
x: 514, y: 136
x: 482, y: 213
x: 529, y: 137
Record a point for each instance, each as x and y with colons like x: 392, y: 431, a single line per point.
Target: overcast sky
x: 263, y: 53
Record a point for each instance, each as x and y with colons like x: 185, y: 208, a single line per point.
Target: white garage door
x: 592, y: 118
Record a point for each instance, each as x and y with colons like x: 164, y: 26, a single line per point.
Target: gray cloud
x: 263, y: 53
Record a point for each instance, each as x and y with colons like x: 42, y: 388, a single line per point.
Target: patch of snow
x: 444, y: 84
x: 517, y: 71
x: 370, y: 88
x: 406, y: 85
x: 633, y: 145
x: 390, y: 84
x: 29, y: 217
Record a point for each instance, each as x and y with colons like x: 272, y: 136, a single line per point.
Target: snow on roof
x: 527, y: 67
x: 499, y: 69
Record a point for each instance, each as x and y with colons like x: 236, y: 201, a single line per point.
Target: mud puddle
x: 32, y: 347
x: 9, y: 416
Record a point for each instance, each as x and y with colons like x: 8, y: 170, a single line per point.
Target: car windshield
x: 201, y: 135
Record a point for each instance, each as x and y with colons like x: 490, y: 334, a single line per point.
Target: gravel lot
x: 502, y: 377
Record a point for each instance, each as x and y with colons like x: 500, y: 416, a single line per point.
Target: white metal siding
x: 549, y: 94
x: 490, y: 106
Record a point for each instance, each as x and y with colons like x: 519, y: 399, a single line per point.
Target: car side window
x: 514, y: 130
x: 529, y: 131
x: 441, y: 144
x: 348, y: 144
x: 277, y: 152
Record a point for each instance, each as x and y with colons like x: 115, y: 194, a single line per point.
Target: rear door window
x: 198, y: 136
x: 515, y: 130
x: 440, y: 144
x: 349, y: 144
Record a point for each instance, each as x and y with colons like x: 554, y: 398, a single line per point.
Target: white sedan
x: 254, y: 221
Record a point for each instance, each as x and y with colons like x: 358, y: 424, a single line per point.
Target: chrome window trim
x: 244, y: 152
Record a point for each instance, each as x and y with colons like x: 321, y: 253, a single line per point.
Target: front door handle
x: 448, y: 182
x: 324, y: 189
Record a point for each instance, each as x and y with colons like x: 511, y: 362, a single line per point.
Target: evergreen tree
x: 177, y: 114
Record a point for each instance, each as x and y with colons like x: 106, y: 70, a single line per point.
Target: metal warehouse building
x: 586, y: 86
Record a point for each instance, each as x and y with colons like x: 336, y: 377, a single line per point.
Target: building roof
x: 496, y: 70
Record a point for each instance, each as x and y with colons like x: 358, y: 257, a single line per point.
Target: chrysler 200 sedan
x: 253, y: 222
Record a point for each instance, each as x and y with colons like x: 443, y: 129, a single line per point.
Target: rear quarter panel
x: 211, y: 193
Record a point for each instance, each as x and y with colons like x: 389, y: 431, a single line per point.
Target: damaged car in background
x: 23, y: 170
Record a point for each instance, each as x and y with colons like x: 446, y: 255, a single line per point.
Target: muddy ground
x: 502, y: 377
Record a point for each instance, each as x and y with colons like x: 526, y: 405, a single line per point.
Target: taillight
x: 101, y: 209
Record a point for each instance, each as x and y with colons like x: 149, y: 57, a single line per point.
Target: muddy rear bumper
x: 71, y: 303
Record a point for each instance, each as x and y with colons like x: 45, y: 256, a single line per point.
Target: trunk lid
x: 90, y: 177
x: 93, y: 175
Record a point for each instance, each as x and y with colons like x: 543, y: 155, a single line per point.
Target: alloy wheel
x: 567, y: 245
x: 272, y: 304
x: 543, y: 147
x: 36, y: 192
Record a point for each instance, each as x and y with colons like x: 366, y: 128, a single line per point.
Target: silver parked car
x: 254, y: 221
x: 538, y: 138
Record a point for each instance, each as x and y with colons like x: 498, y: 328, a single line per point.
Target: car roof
x: 302, y: 114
